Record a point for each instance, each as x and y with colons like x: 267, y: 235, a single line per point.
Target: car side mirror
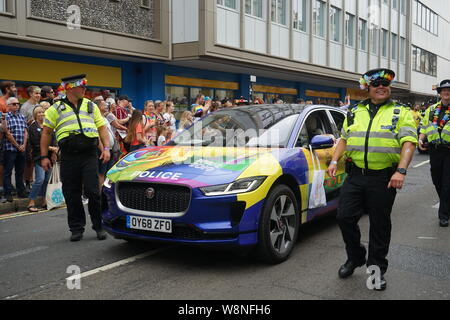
x: 322, y: 142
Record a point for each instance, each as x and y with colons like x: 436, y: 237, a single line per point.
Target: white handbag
x: 317, y: 196
x: 54, y: 195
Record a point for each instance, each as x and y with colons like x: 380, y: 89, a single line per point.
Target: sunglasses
x: 15, y: 104
x: 382, y: 82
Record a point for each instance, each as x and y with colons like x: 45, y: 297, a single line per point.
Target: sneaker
x: 443, y: 223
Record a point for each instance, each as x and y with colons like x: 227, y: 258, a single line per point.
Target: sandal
x: 33, y: 209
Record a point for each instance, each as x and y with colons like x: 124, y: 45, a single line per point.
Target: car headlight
x: 239, y: 186
x: 107, y: 183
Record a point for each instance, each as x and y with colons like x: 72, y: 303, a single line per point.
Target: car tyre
x: 278, y: 226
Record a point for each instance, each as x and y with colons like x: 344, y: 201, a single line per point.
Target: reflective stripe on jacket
x: 376, y: 143
x: 432, y: 131
x: 62, y: 118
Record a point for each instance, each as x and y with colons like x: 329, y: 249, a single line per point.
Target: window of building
x: 425, y: 18
x: 300, y: 14
x: 145, y: 4
x: 279, y: 11
x: 232, y: 4
x: 319, y: 18
x: 362, y: 34
x: 349, y: 30
x: 373, y: 38
x: 395, y: 4
x: 402, y: 50
x: 335, y: 23
x: 254, y: 8
x: 403, y: 7
x: 394, y: 46
x: 2, y: 5
x: 424, y: 61
x: 385, y: 42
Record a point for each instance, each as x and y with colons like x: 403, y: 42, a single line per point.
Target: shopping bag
x: 54, y: 195
x: 317, y: 196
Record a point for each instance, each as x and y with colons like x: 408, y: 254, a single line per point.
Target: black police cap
x: 444, y: 84
x: 73, y: 78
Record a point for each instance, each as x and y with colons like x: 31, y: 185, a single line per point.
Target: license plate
x: 149, y: 224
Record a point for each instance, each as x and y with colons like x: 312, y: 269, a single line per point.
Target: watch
x: 402, y: 171
x: 43, y: 157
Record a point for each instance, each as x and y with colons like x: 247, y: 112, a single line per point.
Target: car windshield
x: 241, y: 127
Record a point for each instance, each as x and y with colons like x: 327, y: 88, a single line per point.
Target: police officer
x: 379, y: 138
x: 436, y: 128
x: 77, y: 123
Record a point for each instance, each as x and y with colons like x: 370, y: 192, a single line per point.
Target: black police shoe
x: 76, y: 236
x: 348, y: 268
x: 382, y: 286
x: 443, y: 223
x: 101, y: 235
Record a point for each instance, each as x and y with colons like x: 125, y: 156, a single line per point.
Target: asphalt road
x: 35, y: 254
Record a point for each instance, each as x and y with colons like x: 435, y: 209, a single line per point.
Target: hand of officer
x: 332, y: 170
x: 421, y: 145
x: 46, y: 164
x: 105, y: 156
x: 397, y: 181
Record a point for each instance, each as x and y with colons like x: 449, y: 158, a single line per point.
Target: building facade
x: 174, y: 49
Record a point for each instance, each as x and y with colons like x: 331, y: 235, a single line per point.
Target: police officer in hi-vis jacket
x: 436, y: 129
x: 78, y: 124
x: 379, y: 138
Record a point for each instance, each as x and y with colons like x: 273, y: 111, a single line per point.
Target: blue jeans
x: 39, y: 187
x: 14, y: 160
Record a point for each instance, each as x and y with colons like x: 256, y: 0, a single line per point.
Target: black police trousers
x: 367, y: 194
x: 79, y: 175
x: 440, y: 174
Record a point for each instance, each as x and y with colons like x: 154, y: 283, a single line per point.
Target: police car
x: 240, y: 177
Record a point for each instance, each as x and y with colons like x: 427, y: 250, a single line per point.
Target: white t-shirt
x: 161, y: 140
x: 171, y: 119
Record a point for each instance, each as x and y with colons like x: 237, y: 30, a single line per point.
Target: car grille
x: 179, y: 231
x: 167, y: 199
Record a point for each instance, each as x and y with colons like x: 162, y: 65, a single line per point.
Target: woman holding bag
x: 39, y: 186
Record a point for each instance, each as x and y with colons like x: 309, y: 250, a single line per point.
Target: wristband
x: 107, y: 148
x: 43, y: 157
x: 334, y: 162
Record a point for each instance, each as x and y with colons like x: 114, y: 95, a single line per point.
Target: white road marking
x: 436, y: 206
x: 21, y: 253
x: 426, y: 238
x: 421, y: 164
x: 116, y: 264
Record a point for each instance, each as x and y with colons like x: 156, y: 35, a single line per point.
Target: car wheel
x: 278, y: 226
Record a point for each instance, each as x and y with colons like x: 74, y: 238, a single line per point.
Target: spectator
x: 159, y: 107
x: 40, y: 183
x: 186, y: 121
x: 135, y: 137
x: 309, y: 103
x: 169, y: 117
x: 15, y: 146
x: 9, y: 90
x: 103, y: 168
x: 106, y: 94
x: 279, y: 101
x: 162, y: 135
x: 150, y: 127
x: 300, y: 101
x: 227, y: 103
x: 44, y: 105
x: 27, y: 108
x: 47, y: 94
x: 121, y: 112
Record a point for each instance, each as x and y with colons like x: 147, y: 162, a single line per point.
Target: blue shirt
x: 16, y: 126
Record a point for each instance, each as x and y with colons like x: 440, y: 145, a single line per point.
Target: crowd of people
x: 129, y: 129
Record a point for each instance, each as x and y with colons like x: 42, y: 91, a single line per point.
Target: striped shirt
x: 17, y: 126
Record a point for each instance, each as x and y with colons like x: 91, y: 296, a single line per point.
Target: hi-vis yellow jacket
x: 375, y: 143
x: 62, y: 118
x: 431, y: 131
